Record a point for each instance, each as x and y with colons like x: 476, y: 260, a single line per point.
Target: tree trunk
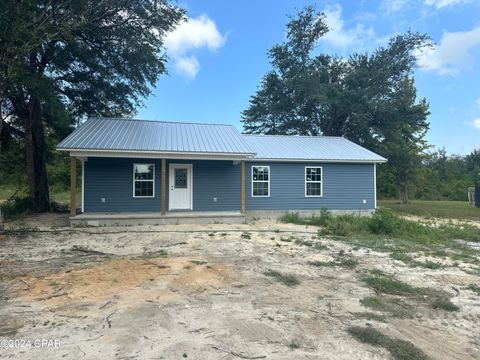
x: 404, y: 194
x: 35, y: 149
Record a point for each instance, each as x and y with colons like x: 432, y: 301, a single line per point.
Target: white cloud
x: 188, y: 66
x: 476, y: 123
x: 452, y: 54
x: 392, y: 6
x: 444, y: 3
x: 191, y: 35
x: 339, y: 36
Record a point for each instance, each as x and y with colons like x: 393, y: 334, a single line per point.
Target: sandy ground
x: 207, y: 297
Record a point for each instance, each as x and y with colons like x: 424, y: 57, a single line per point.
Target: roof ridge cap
x: 156, y: 121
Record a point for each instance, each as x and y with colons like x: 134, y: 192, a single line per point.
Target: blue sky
x: 217, y: 59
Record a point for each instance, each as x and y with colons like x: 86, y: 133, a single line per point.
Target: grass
x: 444, y: 303
x: 385, y: 284
x: 385, y: 224
x: 399, y: 349
x: 346, y: 262
x: 370, y: 316
x: 444, y: 209
x: 388, y: 285
x: 389, y: 306
x: 410, y: 261
x: 474, y: 288
x: 286, y: 279
x: 386, y: 231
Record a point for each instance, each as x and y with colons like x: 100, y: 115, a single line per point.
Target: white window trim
x: 268, y: 181
x: 152, y: 180
x: 321, y: 181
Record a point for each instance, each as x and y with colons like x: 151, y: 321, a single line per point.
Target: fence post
x: 477, y: 195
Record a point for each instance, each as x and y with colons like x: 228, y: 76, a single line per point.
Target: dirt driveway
x: 201, y: 292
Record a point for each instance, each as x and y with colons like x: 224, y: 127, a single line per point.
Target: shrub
x: 383, y: 222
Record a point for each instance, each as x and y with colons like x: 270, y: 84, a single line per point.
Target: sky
x: 217, y: 58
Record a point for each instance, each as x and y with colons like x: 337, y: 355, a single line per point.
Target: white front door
x: 181, y: 187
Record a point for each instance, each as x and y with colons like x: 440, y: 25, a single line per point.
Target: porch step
x: 153, y: 218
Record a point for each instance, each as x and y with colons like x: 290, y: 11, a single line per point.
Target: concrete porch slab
x: 154, y: 218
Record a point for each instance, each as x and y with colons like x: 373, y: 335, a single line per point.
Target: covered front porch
x: 124, y: 190
x: 152, y: 218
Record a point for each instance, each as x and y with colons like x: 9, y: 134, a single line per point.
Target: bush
x: 383, y: 222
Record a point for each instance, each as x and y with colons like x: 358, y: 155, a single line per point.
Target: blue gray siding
x: 112, y: 179
x: 345, y: 186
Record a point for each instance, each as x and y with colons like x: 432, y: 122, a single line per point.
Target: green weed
x: 286, y: 279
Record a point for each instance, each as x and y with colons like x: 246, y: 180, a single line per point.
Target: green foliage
x: 388, y: 285
x: 475, y: 288
x: 343, y: 261
x: 390, y: 306
x: 410, y: 261
x: 318, y: 94
x: 385, y: 284
x: 18, y: 205
x: 400, y: 349
x: 286, y: 279
x: 385, y: 223
x: 64, y: 62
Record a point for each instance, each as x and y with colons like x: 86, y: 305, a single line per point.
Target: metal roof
x: 322, y: 148
x: 108, y: 134
x: 120, y: 135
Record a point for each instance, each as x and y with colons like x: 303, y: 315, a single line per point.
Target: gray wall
x: 345, y: 186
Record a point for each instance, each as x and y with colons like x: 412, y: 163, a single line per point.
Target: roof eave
x: 83, y: 153
x: 360, y: 161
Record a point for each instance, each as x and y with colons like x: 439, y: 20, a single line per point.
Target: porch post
x: 242, y: 192
x: 73, y: 186
x: 164, y: 185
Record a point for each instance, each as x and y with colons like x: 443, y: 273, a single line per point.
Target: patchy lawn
x: 446, y: 209
x: 258, y: 290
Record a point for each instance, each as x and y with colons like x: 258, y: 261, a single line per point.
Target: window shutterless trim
x: 313, y: 182
x: 151, y: 180
x: 262, y: 181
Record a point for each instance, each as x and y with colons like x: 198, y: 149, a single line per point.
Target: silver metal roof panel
x: 110, y: 135
x: 155, y: 136
x: 321, y: 148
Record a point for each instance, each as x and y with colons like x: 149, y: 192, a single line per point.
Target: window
x: 260, y: 181
x: 313, y: 181
x: 143, y: 180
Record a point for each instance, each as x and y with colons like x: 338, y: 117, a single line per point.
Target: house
x: 160, y: 172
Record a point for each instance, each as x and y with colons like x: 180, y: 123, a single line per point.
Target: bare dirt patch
x: 177, y: 276
x: 201, y: 292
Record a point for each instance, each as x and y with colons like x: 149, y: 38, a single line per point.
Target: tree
x: 403, y: 136
x: 61, y: 61
x: 367, y: 98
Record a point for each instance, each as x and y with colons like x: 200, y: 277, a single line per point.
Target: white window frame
x: 321, y: 180
x: 152, y: 180
x: 268, y: 181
